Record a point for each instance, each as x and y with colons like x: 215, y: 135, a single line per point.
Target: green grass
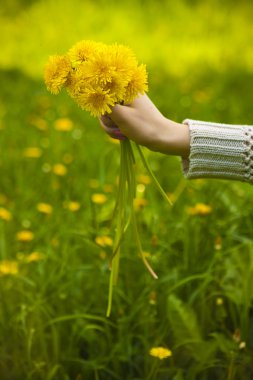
x: 52, y: 320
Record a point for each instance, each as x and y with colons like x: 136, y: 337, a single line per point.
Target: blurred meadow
x: 57, y: 191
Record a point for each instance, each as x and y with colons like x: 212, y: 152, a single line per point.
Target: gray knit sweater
x: 219, y: 151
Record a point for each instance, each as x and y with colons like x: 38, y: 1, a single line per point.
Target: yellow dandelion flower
x: 98, y: 198
x: 104, y: 241
x: 99, y: 68
x: 96, y: 101
x: 144, y: 179
x: 117, y: 87
x: 45, y: 208
x: 32, y: 152
x: 82, y: 51
x: 34, y: 256
x: 72, y: 205
x: 59, y: 170
x: 123, y: 60
x: 40, y: 123
x: 8, y: 267
x: 137, y: 84
x: 160, y: 352
x: 139, y: 203
x: 63, y: 124
x: 25, y: 235
x: 199, y: 209
x: 56, y: 72
x: 5, y: 214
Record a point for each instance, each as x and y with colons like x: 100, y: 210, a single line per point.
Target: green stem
x: 145, y: 163
x: 146, y: 263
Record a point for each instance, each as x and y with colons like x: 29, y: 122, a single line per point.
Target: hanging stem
x: 145, y: 163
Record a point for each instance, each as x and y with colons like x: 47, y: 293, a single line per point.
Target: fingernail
x: 119, y: 135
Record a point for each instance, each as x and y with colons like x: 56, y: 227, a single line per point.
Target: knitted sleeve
x: 219, y: 151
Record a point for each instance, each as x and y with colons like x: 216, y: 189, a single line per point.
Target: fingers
x: 111, y: 128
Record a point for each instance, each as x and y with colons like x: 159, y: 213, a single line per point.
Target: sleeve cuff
x: 219, y: 151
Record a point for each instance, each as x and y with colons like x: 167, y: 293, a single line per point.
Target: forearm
x: 219, y: 151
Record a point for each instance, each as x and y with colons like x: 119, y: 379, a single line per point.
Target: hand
x: 143, y: 123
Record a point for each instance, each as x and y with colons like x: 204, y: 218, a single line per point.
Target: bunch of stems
x: 124, y: 214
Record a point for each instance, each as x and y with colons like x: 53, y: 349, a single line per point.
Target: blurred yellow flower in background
x: 39, y: 123
x: 199, y: 209
x: 34, y: 256
x: 32, y: 152
x: 98, y: 198
x: 72, y: 205
x: 140, y: 203
x: 8, y: 267
x: 5, y: 214
x: 25, y: 235
x: 59, y: 169
x: 160, y: 352
x: 63, y: 124
x: 143, y: 179
x: 104, y: 241
x: 45, y: 208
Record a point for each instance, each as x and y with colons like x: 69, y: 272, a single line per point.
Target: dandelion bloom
x: 59, y: 170
x: 34, y: 256
x: 63, y: 124
x: 144, y: 179
x: 5, y: 214
x: 140, y: 203
x: 32, y: 152
x: 25, y: 235
x: 104, y: 241
x: 72, y: 206
x: 56, y: 72
x: 160, y: 352
x: 8, y: 267
x: 96, y: 101
x: 199, y: 209
x: 44, y: 208
x: 82, y: 51
x: 98, y: 198
x: 137, y: 84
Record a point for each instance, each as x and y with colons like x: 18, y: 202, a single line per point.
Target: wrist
x: 172, y: 138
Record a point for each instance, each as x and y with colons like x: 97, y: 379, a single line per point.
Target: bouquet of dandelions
x: 97, y: 76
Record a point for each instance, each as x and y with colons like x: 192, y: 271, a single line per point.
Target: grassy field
x: 59, y: 176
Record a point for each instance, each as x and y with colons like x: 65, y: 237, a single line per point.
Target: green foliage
x: 53, y: 299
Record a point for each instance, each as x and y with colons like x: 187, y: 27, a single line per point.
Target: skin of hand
x: 143, y: 123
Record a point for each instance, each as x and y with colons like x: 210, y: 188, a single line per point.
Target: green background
x: 199, y: 56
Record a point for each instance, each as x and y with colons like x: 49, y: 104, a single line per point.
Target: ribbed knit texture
x: 219, y: 151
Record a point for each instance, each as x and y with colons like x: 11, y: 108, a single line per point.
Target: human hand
x: 143, y: 123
